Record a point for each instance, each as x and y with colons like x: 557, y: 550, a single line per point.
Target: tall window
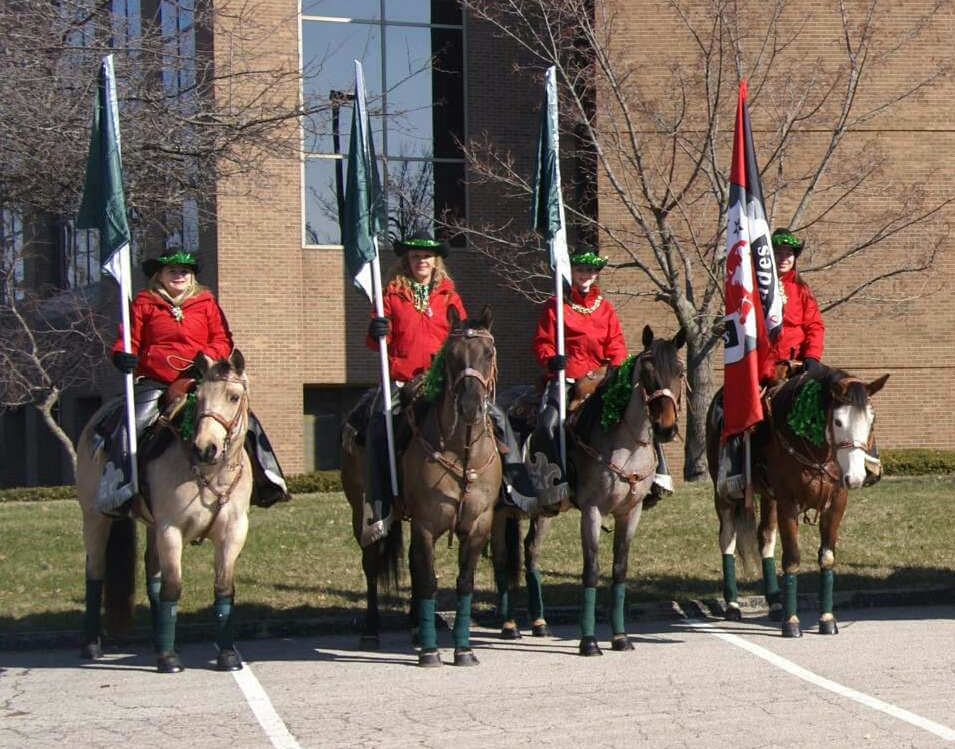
x: 412, y: 52
x: 11, y: 254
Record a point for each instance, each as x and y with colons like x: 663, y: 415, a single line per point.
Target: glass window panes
x: 329, y: 54
x: 368, y: 10
x: 321, y: 200
x: 423, y: 11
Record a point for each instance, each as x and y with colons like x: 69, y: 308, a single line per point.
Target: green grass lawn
x: 301, y: 562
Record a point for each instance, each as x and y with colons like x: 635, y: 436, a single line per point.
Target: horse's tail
x: 390, y: 553
x: 119, y: 584
x: 512, y: 542
x: 747, y: 544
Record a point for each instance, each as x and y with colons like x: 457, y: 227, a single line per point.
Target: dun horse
x: 806, y: 455
x: 615, y: 463
x: 198, y: 489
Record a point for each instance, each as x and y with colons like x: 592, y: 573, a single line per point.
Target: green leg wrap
x: 225, y: 623
x: 789, y: 592
x: 826, y: 579
x: 618, y: 595
x: 503, y: 596
x: 587, y: 612
x: 94, y: 605
x: 427, y: 634
x: 730, y: 591
x: 153, y: 586
x: 770, y: 582
x: 166, y: 636
x: 462, y: 622
x: 535, y: 595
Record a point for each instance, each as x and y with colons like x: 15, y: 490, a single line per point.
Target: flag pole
x: 126, y: 293
x: 385, y: 375
x: 562, y: 374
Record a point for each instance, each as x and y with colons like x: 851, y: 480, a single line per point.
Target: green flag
x: 364, y: 201
x: 547, y: 212
x: 103, y: 205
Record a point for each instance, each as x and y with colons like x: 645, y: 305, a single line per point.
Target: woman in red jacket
x: 592, y: 338
x: 415, y: 325
x: 171, y: 321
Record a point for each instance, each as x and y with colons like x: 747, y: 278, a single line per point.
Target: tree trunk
x: 702, y: 390
x: 45, y: 407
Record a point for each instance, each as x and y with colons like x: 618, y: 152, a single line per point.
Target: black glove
x: 124, y: 362
x: 811, y: 365
x: 557, y: 363
x: 379, y: 327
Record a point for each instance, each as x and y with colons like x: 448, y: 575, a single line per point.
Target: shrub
x: 917, y: 462
x: 319, y: 481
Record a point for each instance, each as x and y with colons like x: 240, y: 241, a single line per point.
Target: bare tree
x: 654, y: 136
x: 48, y: 345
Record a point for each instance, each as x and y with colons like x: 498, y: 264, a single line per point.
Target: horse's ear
x: 487, y: 317
x: 454, y: 319
x: 876, y: 385
x: 679, y: 339
x: 647, y: 336
x: 237, y: 360
x: 201, y: 363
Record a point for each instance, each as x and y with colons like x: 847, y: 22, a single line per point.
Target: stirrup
x: 662, y: 484
x: 873, y: 471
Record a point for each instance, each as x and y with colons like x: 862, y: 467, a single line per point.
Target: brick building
x: 278, y: 267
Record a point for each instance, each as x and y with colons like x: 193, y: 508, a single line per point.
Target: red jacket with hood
x: 803, y: 331
x: 167, y: 346
x: 416, y: 336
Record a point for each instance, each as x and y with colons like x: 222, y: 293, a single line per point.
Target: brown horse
x: 198, y: 489
x: 806, y: 455
x: 615, y: 462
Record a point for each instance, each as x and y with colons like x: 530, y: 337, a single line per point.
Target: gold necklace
x: 586, y: 310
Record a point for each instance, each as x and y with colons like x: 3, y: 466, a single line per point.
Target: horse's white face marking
x: 850, y: 429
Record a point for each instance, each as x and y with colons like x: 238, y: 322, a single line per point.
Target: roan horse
x: 806, y: 455
x: 197, y: 489
x: 615, y: 463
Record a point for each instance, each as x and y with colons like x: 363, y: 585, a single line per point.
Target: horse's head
x: 659, y: 372
x: 470, y: 364
x: 850, y: 424
x: 222, y: 407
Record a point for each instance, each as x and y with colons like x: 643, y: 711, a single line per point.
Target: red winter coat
x: 166, y: 346
x: 803, y: 331
x: 416, y: 336
x: 590, y: 339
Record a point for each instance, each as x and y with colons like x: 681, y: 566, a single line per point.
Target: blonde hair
x: 402, y: 277
x: 155, y: 285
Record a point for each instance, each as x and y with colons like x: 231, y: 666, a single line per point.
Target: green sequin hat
x: 586, y: 256
x: 172, y: 256
x: 785, y: 238
x: 421, y: 240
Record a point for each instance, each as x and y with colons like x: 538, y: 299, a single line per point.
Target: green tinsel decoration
x: 434, y: 379
x: 618, y: 392
x: 807, y: 418
x: 187, y: 427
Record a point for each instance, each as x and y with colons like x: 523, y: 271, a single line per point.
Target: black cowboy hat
x: 785, y: 238
x: 174, y: 256
x: 421, y: 240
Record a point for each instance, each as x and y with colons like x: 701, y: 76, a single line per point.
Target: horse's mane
x: 471, y: 322
x: 855, y: 395
x: 665, y: 359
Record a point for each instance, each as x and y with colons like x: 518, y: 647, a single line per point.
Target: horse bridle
x: 231, y: 426
x: 488, y: 383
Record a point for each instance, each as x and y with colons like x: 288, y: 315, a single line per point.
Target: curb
x: 710, y: 608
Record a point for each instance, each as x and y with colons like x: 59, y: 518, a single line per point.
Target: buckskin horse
x: 806, y: 454
x: 197, y: 489
x: 615, y: 462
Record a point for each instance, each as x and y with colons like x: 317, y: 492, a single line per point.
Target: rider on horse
x: 171, y: 321
x: 415, y: 325
x: 593, y: 339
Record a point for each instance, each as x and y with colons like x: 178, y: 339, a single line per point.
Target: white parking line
x: 261, y: 706
x: 918, y: 721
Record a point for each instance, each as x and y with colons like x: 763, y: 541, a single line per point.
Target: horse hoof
x: 792, y: 629
x: 168, y: 663
x: 621, y: 643
x: 510, y: 632
x: 733, y: 614
x: 228, y: 660
x: 465, y: 657
x: 90, y: 651
x: 369, y: 642
x: 776, y: 612
x: 429, y: 658
x: 828, y: 627
x: 589, y: 646
x: 540, y: 629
